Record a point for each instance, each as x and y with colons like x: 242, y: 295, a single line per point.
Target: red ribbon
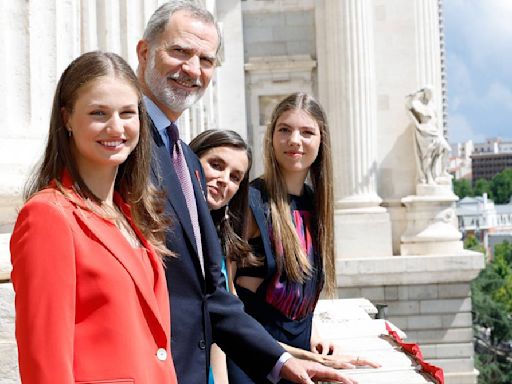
x: 414, y: 351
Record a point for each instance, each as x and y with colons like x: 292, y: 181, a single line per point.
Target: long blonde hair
x: 293, y: 258
x: 132, y: 180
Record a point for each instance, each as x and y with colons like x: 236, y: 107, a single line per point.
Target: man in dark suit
x: 177, y: 58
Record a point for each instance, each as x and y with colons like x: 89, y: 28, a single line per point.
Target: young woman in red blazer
x: 91, y: 298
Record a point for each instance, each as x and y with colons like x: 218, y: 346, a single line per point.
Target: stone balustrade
x: 347, y: 322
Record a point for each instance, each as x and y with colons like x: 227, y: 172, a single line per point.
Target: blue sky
x: 478, y: 42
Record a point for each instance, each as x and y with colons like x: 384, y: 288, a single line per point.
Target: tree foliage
x: 492, y: 309
x: 492, y: 371
x: 483, y: 186
x: 462, y: 188
x: 472, y: 243
x: 499, y: 188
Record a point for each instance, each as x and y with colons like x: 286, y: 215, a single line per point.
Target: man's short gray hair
x: 159, y: 19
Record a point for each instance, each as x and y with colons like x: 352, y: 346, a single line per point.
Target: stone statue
x: 432, y: 149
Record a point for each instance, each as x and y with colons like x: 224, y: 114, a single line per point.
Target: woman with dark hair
x: 291, y: 229
x: 91, y: 296
x: 226, y: 160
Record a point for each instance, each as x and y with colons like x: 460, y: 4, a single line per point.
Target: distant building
x: 488, y: 165
x: 491, y: 224
x: 459, y: 163
x: 493, y: 145
x: 492, y: 156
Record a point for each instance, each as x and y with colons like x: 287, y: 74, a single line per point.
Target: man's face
x: 178, y: 66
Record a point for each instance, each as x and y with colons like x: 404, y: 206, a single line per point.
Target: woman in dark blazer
x: 91, y: 297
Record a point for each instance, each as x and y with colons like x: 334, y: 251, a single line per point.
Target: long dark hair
x: 293, y: 258
x: 230, y: 220
x: 132, y: 179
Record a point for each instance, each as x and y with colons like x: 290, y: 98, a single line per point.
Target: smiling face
x: 104, y: 124
x: 224, y: 168
x: 295, y: 141
x: 178, y: 66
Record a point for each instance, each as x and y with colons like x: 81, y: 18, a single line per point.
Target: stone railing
x: 346, y: 321
x: 349, y: 323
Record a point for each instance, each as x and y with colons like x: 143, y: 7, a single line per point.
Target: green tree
x: 492, y: 310
x: 492, y: 371
x: 501, y: 186
x: 503, y: 267
x: 483, y: 186
x: 472, y: 243
x: 462, y: 188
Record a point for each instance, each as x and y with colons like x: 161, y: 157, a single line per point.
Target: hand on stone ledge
x: 307, y: 372
x: 337, y: 361
x: 345, y: 361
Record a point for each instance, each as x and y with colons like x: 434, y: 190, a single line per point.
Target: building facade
x: 493, y: 145
x: 488, y: 165
x: 360, y: 58
x: 491, y: 157
x: 491, y: 224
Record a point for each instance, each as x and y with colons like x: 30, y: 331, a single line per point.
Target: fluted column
x: 347, y: 90
x: 428, y: 51
x: 346, y: 77
x: 39, y: 39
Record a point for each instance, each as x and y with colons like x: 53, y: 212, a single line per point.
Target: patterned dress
x: 284, y: 307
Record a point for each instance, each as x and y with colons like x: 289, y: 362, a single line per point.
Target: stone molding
x: 278, y: 64
x: 460, y: 267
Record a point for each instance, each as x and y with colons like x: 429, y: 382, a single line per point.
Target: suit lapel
x: 164, y: 172
x: 113, y: 241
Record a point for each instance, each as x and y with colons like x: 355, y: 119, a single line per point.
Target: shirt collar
x: 159, y: 119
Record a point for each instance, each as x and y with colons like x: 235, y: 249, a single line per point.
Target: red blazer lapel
x: 113, y: 241
x: 160, y: 288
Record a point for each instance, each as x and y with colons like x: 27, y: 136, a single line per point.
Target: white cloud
x: 460, y: 82
x: 499, y: 95
x: 485, y: 27
x: 478, y: 41
x: 461, y: 130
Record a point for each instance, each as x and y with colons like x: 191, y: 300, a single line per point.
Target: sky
x: 478, y: 48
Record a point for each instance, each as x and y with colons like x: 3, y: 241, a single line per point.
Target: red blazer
x: 85, y: 309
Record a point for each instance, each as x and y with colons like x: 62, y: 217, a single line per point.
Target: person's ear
x: 64, y: 114
x: 142, y: 54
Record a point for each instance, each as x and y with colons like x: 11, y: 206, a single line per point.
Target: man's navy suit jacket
x: 202, y: 311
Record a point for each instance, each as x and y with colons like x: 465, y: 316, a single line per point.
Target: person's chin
x: 213, y: 205
x: 182, y: 104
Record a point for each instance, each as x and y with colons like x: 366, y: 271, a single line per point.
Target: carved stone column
x: 39, y: 40
x: 428, y: 50
x: 346, y: 82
